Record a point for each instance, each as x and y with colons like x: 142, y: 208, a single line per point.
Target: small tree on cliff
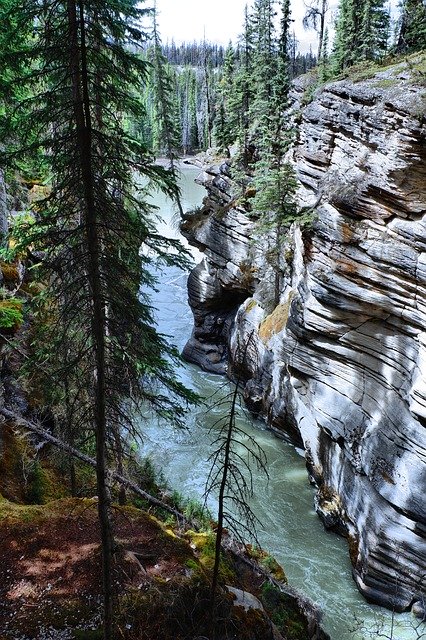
x: 81, y: 77
x: 230, y: 477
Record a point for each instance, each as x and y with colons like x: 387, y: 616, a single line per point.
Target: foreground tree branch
x: 42, y: 433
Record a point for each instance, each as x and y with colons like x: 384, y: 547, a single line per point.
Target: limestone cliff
x: 339, y: 365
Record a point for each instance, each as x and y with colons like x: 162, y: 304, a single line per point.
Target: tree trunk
x: 81, y: 105
x: 321, y: 29
x: 4, y: 226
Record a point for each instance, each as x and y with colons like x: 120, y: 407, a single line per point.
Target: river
x: 314, y: 560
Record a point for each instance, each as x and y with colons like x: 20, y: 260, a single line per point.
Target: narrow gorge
x: 338, y: 366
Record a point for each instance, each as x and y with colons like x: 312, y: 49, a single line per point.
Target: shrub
x: 11, y: 316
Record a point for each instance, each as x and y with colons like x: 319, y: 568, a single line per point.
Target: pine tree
x: 209, y: 108
x: 162, y: 90
x: 412, y: 30
x: 244, y: 85
x: 346, y: 38
x: 227, y: 120
x: 189, y: 104
x: 374, y: 30
x: 264, y: 71
x: 274, y: 205
x: 165, y: 116
x: 81, y: 78
x: 362, y: 29
x: 324, y: 63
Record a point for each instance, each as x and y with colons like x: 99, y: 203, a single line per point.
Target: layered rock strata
x: 339, y: 365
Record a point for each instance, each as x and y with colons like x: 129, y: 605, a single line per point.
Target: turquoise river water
x: 315, y: 561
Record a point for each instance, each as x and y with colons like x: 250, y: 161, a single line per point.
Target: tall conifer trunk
x: 81, y: 106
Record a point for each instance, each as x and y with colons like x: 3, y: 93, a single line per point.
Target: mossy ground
x: 50, y: 576
x: 414, y: 64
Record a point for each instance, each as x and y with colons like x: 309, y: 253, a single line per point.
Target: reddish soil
x: 50, y: 570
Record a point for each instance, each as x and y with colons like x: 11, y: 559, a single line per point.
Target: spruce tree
x: 81, y: 78
x: 412, y: 29
x: 346, y: 40
x: 362, y: 30
x: 227, y: 120
x: 244, y: 84
x: 374, y: 30
x: 264, y: 72
x: 274, y: 206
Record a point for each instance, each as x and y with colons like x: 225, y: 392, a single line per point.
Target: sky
x: 221, y: 20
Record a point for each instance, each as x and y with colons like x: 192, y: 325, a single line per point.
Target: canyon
x: 338, y: 365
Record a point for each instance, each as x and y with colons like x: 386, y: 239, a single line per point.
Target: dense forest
x: 88, y: 98
x: 204, y: 75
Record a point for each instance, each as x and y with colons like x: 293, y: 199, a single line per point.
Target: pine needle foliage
x: 362, y: 32
x: 235, y: 454
x: 412, y: 26
x: 79, y: 75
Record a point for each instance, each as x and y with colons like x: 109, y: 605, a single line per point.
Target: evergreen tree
x: 227, y: 119
x: 362, y: 30
x: 324, y: 63
x: 189, y: 103
x: 244, y: 85
x: 264, y: 71
x: 162, y: 88
x: 81, y: 78
x: 274, y: 205
x: 209, y: 109
x: 346, y: 36
x: 412, y: 29
x: 165, y: 116
x: 374, y: 34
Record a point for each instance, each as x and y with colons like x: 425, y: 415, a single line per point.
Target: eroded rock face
x: 339, y: 365
x: 216, y: 287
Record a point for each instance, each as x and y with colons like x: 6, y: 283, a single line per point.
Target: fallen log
x: 46, y: 435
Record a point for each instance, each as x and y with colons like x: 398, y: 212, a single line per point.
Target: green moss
x: 386, y: 83
x: 416, y: 63
x: 11, y: 315
x: 284, y: 613
x: 13, y: 512
x: 251, y: 305
x: 10, y: 272
x: 192, y: 220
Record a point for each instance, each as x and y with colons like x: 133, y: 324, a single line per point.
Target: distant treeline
x: 193, y: 54
x: 198, y: 71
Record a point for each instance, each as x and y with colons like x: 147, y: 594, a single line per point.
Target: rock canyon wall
x: 339, y: 365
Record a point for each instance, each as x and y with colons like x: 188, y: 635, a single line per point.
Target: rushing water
x: 315, y: 561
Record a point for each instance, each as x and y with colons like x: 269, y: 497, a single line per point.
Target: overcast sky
x: 221, y: 20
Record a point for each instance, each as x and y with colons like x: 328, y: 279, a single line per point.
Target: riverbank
x: 316, y: 561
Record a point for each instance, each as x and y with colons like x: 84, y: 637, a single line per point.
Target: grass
x: 367, y: 70
x: 415, y: 62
